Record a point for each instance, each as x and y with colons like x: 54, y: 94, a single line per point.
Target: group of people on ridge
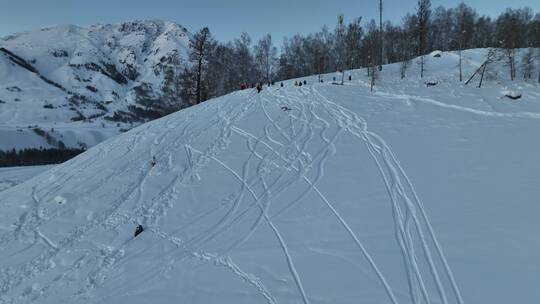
x: 259, y: 85
x: 298, y: 83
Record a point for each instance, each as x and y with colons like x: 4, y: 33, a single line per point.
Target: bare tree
x: 266, y: 57
x: 243, y: 60
x: 535, y: 38
x: 352, y: 43
x: 527, y: 63
x: 465, y: 18
x: 404, y: 65
x: 373, y: 75
x: 371, y: 46
x: 340, y: 46
x: 538, y: 59
x: 511, y: 32
x: 511, y: 62
x: 441, y: 29
x: 380, y: 36
x: 460, y: 64
x: 423, y: 13
x: 320, y: 46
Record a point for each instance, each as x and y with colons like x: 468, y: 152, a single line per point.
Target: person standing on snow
x: 138, y: 230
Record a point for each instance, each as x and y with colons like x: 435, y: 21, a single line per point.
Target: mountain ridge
x: 101, y: 76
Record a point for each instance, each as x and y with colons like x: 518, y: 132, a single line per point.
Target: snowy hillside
x: 410, y: 194
x: 83, y: 84
x: 10, y: 177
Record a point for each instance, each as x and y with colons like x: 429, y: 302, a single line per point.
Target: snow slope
x: 406, y: 195
x: 13, y: 176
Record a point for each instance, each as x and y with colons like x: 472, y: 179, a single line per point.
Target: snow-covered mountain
x: 314, y: 194
x: 83, y: 84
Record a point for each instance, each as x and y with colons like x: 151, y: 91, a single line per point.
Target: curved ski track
x: 278, y: 160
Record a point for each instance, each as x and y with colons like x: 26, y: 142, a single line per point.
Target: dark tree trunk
x: 460, y: 73
x: 380, y: 37
x: 422, y: 66
x: 199, y: 81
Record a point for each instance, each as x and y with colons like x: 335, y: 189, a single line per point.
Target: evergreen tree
x: 202, y: 45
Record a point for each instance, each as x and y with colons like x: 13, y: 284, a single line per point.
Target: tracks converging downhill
x: 288, y: 150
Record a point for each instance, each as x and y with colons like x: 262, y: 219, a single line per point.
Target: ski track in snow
x: 312, y: 186
x: 266, y: 193
x: 156, y: 208
x: 402, y: 195
x: 283, y: 161
x: 229, y: 264
x: 8, y: 280
x: 343, y: 223
x: 264, y: 215
x: 408, y: 98
x: 191, y: 245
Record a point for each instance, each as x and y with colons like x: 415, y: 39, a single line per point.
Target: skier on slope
x: 138, y: 230
x: 259, y: 87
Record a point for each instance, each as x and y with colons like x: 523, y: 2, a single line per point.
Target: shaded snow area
x: 13, y: 176
x: 410, y: 194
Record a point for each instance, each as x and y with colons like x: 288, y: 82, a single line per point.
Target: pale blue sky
x: 225, y: 18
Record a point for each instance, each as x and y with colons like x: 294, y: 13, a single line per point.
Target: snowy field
x: 13, y: 176
x: 409, y: 194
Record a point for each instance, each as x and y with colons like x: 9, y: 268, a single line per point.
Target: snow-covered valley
x: 315, y: 194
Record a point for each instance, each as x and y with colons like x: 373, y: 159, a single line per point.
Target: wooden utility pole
x: 380, y: 36
x: 341, y: 29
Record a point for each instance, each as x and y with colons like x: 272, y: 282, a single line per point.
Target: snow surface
x: 13, y: 176
x: 410, y: 194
